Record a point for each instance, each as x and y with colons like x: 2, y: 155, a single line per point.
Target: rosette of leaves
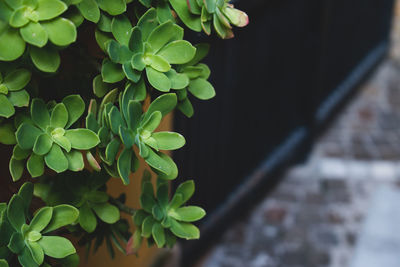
x: 201, y: 15
x: 129, y: 126
x: 83, y: 190
x: 147, y: 47
x: 45, y: 138
x: 199, y: 86
x: 34, y: 22
x: 12, y: 91
x: 162, y: 220
x: 31, y: 242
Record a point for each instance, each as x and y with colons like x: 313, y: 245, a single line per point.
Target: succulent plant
x: 91, y: 9
x: 148, y: 47
x: 45, y: 138
x: 31, y: 242
x: 161, y: 219
x: 12, y: 91
x: 200, y: 15
x: 34, y: 22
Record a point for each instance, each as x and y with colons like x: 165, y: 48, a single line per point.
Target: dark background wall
x: 279, y: 82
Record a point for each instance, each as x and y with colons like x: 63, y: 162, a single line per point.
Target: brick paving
x: 320, y: 214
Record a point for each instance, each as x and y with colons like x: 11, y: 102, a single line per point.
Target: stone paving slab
x: 379, y: 242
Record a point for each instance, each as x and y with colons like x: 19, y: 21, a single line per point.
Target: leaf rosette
x: 45, y: 138
x: 31, y: 242
x: 35, y: 22
x: 161, y: 220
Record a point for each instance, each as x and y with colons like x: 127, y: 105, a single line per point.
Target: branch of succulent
x: 134, y: 56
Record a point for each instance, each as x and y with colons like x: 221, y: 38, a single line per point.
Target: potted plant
x: 68, y: 141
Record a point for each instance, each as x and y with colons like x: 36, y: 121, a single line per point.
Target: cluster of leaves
x: 31, y: 242
x: 143, y: 69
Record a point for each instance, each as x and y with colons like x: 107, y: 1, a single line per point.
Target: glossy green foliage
x: 162, y: 219
x: 148, y: 47
x: 127, y: 126
x: 142, y: 71
x: 36, y: 23
x: 201, y: 15
x: 30, y: 241
x: 12, y: 91
x: 45, y: 138
x: 85, y: 191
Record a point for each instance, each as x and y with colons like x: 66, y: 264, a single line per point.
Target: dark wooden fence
x: 278, y: 83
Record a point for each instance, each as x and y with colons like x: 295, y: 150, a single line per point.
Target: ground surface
x: 342, y: 208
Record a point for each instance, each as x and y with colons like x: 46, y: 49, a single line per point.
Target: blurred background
x: 297, y: 158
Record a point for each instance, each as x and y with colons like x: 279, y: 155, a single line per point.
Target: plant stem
x: 122, y: 207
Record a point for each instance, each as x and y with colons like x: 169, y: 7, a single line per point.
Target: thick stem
x: 122, y: 207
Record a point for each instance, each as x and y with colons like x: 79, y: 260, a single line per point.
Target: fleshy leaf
x: 41, y: 219
x: 34, y: 34
x: 42, y: 144
x: 187, y: 214
x: 158, y: 80
x: 48, y: 9
x: 11, y: 52
x: 169, y: 140
x: 56, y: 159
x: 83, y: 139
x: 107, y: 212
x: 35, y: 165
x: 201, y: 89
x: 59, y: 116
x: 90, y: 10
x: 27, y: 135
x: 6, y: 107
x: 178, y: 52
x: 56, y: 246
x: 75, y: 161
x: 75, y: 107
x: 62, y: 215
x: 46, y: 60
x: 61, y: 31
x: 17, y: 79
x: 87, y: 219
x: 121, y: 29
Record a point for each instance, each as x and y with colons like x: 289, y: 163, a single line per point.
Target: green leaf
x: 42, y: 144
x: 164, y: 34
x: 56, y: 159
x: 6, y: 107
x: 139, y: 217
x: 158, y: 163
x: 104, y: 23
x: 75, y: 161
x: 101, y: 39
x: 56, y: 246
x: 3, y: 263
x: 61, y: 31
x: 158, y: 80
x: 174, y: 169
x: 93, y: 162
x: 147, y: 226
x: 201, y: 89
x: 163, y: 194
x: 17, y: 79
x: 75, y: 107
x: 62, y: 141
x: 158, y: 235
x: 137, y: 62
x: 236, y: 17
x: 40, y: 114
x: 186, y: 189
x: 14, y: 214
x: 82, y: 139
x: 20, y: 154
x: 18, y: 18
x: 187, y: 214
x: 16, y: 168
x: 115, y: 119
x: 164, y: 12
x: 153, y: 121
x: 48, y: 9
x: 201, y: 52
x: 127, y: 136
x: 164, y: 103
x: 37, y: 252
x: 178, y: 52
x: 157, y: 62
x: 131, y: 73
x: 147, y: 23
x: 19, y: 98
x: 26, y: 193
x: 34, y: 34
x: 35, y: 165
x: 46, y: 60
x: 26, y: 259
x: 185, y: 230
x: 124, y: 165
x: 136, y: 41
x: 111, y: 72
x: 89, y: 10
x: 100, y: 88
x: 41, y: 219
x: 190, y: 20
x: 11, y: 52
x: 169, y: 140
x: 112, y: 7
x: 7, y: 134
x: 59, y: 116
x: 62, y: 215
x: 121, y: 29
x: 210, y: 5
x: 178, y: 80
x: 107, y: 212
x: 111, y: 150
x: 27, y: 135
x: 87, y: 219
x: 16, y: 244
